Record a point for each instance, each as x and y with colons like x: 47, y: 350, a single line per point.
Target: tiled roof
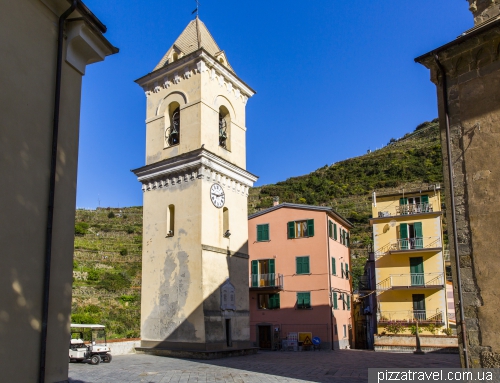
x: 304, y: 207
x: 194, y: 37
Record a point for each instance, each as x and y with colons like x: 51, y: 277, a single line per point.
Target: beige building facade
x: 36, y: 230
x: 195, y: 250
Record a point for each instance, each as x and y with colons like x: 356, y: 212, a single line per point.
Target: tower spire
x: 197, y: 7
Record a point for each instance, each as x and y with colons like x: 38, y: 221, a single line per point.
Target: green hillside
x: 107, y: 262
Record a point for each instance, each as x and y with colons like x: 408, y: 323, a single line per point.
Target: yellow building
x: 409, y: 263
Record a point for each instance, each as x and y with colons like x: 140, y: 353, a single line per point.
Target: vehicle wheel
x: 95, y: 359
x: 107, y: 358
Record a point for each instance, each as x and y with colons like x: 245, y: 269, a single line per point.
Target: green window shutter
x: 272, y: 269
x: 306, y: 265
x: 419, y: 235
x: 342, y: 269
x: 347, y: 271
x: 335, y: 303
x: 259, y: 232
x: 291, y: 229
x: 300, y: 300
x: 330, y: 229
x: 335, y: 231
x: 403, y: 201
x: 302, y: 265
x: 334, y: 267
x: 298, y: 262
x: 274, y: 301
x: 265, y: 232
x: 424, y: 198
x: 255, y: 272
x: 310, y: 227
x: 348, y: 302
x: 307, y: 300
x: 403, y: 235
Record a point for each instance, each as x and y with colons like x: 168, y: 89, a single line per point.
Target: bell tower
x: 195, y: 236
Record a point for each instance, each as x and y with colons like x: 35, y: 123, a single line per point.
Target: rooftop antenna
x: 197, y: 6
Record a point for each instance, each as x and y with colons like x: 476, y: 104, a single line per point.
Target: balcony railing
x: 412, y: 280
x: 417, y: 208
x: 411, y: 316
x: 409, y: 244
x: 267, y: 281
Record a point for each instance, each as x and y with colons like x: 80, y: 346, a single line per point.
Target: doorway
x: 265, y: 339
x: 417, y: 271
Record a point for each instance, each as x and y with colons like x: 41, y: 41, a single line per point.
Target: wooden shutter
x: 305, y: 265
x: 347, y: 271
x: 330, y: 229
x: 300, y: 300
x: 419, y: 235
x: 348, y: 302
x: 424, y: 198
x: 310, y: 227
x: 298, y: 261
x: 335, y: 303
x: 335, y: 231
x: 291, y: 229
x: 403, y: 201
x: 265, y: 232
x: 271, y: 272
x: 255, y: 272
x: 274, y: 301
x: 307, y: 300
x: 259, y: 232
x: 334, y: 267
x: 342, y: 269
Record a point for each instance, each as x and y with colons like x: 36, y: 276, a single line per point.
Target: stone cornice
x: 196, y: 62
x: 198, y: 164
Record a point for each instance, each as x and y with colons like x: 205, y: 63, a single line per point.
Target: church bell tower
x: 195, y: 230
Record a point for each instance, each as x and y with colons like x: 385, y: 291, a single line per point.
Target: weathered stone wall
x: 473, y: 79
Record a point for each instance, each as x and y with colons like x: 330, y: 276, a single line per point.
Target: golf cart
x: 88, y: 344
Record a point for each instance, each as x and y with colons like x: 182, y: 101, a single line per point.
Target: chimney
x: 484, y: 9
x: 276, y: 201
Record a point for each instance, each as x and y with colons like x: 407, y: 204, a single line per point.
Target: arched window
x: 225, y: 222
x: 224, y: 127
x: 170, y: 220
x: 173, y: 132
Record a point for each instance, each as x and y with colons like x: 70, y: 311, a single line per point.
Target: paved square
x: 321, y: 366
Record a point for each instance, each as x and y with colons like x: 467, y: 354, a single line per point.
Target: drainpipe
x: 52, y: 182
x: 453, y: 213
x: 329, y: 281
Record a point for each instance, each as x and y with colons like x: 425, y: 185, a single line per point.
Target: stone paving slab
x: 321, y: 366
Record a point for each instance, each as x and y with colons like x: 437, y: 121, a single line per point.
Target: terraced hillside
x: 107, y: 263
x: 107, y: 269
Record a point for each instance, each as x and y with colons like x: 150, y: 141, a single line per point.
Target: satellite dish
x: 393, y: 222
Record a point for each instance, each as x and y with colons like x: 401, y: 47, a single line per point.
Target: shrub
x: 129, y: 298
x: 132, y: 334
x: 93, y: 275
x: 432, y: 328
x: 111, y: 215
x: 113, y: 282
x: 81, y: 228
x: 123, y: 251
x: 413, y: 330
x: 394, y: 327
x: 448, y: 331
x: 75, y: 264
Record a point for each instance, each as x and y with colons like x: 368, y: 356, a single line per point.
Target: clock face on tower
x: 217, y: 195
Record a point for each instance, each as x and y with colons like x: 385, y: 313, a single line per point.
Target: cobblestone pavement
x: 323, y: 366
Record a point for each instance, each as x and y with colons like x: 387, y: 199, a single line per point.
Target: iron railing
x: 409, y: 244
x: 411, y: 316
x: 266, y: 281
x: 416, y: 280
x: 417, y: 208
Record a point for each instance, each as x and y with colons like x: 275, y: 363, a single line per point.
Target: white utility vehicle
x: 88, y: 344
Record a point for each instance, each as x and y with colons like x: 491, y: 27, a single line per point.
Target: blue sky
x: 333, y: 79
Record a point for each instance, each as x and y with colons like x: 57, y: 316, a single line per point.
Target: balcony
x: 418, y: 208
x: 411, y: 281
x: 410, y: 244
x: 411, y: 316
x: 266, y: 282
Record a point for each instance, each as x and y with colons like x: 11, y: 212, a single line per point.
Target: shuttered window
x: 335, y: 231
x: 274, y: 301
x: 334, y: 267
x: 300, y: 229
x: 342, y: 269
x: 335, y: 303
x: 302, y: 265
x: 347, y: 271
x: 348, y: 302
x: 263, y: 232
x: 330, y: 229
x: 304, y: 300
x: 255, y: 273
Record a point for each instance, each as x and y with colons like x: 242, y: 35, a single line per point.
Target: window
x: 411, y: 236
x: 263, y: 232
x: 348, y: 303
x: 342, y: 296
x: 224, y: 127
x: 335, y: 231
x: 346, y: 271
x: 263, y: 273
x: 304, y: 300
x: 225, y: 221
x: 302, y: 265
x: 301, y: 229
x: 334, y: 267
x: 345, y: 331
x: 330, y: 229
x: 335, y: 302
x: 341, y: 269
x: 413, y: 205
x: 268, y: 301
x: 173, y: 132
x: 170, y: 220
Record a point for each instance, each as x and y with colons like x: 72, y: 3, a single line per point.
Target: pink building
x: 300, y: 278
